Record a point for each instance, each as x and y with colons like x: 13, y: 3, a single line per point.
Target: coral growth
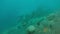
x: 35, y: 24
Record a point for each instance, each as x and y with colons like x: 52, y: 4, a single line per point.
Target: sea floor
x: 34, y: 24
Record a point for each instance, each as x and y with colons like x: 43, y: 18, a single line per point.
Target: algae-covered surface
x: 34, y: 24
x: 29, y: 16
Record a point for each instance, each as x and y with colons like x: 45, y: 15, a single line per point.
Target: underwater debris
x: 31, y: 29
x: 39, y: 22
x: 51, y: 17
x: 34, y: 24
